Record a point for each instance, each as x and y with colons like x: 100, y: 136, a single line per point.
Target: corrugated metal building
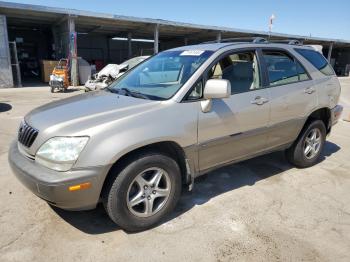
x: 45, y: 33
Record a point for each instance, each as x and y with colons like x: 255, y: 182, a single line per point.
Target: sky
x: 330, y: 19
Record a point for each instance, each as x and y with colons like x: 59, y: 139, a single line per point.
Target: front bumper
x: 53, y: 186
x: 92, y: 85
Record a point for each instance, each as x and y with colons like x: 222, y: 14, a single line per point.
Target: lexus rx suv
x: 179, y: 114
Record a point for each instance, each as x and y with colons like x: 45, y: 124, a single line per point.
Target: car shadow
x: 91, y: 222
x: 4, y: 107
x: 72, y: 89
x: 206, y: 187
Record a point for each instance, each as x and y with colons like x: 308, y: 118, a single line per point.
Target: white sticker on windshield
x: 192, y: 53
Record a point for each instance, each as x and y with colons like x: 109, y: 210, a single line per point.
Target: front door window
x: 241, y: 69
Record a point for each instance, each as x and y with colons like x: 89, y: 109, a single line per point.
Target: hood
x: 78, y: 113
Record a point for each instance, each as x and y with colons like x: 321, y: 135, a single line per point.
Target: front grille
x: 27, y: 134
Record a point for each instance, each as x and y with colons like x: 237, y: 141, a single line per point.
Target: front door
x: 236, y: 126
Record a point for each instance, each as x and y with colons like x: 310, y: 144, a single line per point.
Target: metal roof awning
x: 25, y: 15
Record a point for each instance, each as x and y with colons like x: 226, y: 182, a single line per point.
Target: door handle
x: 309, y: 90
x: 259, y: 101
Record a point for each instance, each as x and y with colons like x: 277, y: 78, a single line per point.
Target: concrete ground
x: 259, y: 210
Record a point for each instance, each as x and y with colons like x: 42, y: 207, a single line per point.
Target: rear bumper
x: 335, y: 114
x: 53, y: 186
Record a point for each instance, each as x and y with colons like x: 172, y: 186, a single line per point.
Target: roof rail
x: 239, y: 39
x: 256, y: 40
x: 288, y: 41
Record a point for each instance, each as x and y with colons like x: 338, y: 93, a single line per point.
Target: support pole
x: 16, y: 64
x: 186, y: 41
x: 108, y: 49
x: 218, y: 37
x: 56, y: 43
x: 129, y: 46
x: 6, y: 78
x: 73, y: 51
x: 156, y: 39
x: 329, y: 56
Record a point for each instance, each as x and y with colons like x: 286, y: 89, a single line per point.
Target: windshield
x: 134, y: 61
x: 161, y: 76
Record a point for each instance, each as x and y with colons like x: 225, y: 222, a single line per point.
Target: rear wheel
x: 307, y: 149
x: 143, y: 192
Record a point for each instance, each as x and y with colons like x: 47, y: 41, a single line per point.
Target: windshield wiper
x: 132, y: 93
x: 111, y: 90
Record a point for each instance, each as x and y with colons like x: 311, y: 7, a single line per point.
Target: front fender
x: 176, y: 123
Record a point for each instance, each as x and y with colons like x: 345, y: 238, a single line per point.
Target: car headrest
x: 283, y: 65
x: 243, y: 69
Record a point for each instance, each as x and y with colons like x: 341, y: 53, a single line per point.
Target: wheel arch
x: 323, y: 114
x: 169, y: 148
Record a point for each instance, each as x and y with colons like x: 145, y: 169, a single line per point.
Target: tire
x: 297, y: 155
x: 117, y: 192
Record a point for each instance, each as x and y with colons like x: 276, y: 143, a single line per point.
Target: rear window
x: 317, y: 60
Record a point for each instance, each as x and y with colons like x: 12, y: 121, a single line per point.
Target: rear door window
x: 302, y: 72
x: 317, y: 60
x: 283, y: 69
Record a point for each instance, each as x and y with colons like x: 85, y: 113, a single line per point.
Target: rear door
x: 292, y: 96
x: 326, y: 80
x: 236, y: 126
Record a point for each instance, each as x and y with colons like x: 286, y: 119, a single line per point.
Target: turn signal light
x: 80, y: 186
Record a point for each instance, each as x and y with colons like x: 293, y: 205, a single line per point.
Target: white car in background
x: 111, y: 72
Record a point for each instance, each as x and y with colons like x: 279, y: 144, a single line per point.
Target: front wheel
x: 143, y: 192
x: 307, y: 149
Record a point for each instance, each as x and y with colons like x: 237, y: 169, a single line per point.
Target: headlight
x: 60, y: 153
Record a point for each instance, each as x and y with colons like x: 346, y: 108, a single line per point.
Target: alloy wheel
x: 312, y: 143
x: 148, y: 192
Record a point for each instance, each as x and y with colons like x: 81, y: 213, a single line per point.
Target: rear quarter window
x: 317, y: 60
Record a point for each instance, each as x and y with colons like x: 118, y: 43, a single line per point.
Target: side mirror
x: 215, y: 88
